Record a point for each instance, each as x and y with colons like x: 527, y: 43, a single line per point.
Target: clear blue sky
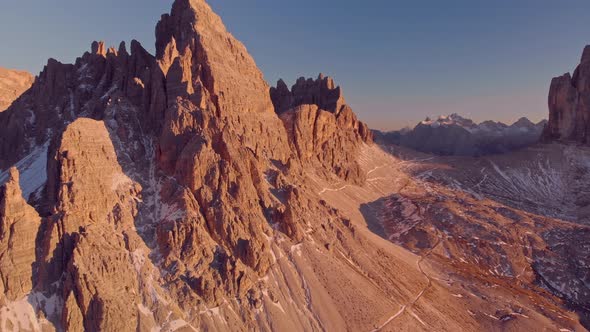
x: 397, y: 60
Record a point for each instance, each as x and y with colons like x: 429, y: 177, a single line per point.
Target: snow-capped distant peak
x: 450, y: 120
x: 523, y: 122
x: 487, y: 127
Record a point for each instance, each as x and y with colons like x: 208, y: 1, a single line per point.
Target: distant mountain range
x: 456, y: 135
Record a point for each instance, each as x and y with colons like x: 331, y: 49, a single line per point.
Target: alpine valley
x: 178, y: 191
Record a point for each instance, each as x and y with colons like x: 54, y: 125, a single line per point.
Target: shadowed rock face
x: 569, y: 105
x: 12, y: 84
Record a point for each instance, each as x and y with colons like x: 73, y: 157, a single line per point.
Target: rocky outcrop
x: 322, y: 128
x: 569, y: 105
x: 19, y: 224
x: 323, y: 138
x: 321, y: 92
x: 91, y: 237
x: 12, y: 84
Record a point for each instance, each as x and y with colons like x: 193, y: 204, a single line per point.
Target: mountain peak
x: 193, y: 41
x: 181, y: 23
x: 524, y: 122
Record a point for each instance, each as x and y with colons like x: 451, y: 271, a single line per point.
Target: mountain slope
x: 504, y: 264
x: 519, y: 217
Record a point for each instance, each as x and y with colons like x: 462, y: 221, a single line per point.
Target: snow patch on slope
x: 19, y: 316
x: 119, y: 180
x: 541, y: 184
x: 32, y: 169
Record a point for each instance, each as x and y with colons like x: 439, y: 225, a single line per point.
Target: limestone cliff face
x: 95, y: 231
x: 322, y: 128
x: 193, y: 42
x: 569, y: 105
x: 19, y: 223
x: 12, y: 84
x: 169, y: 179
x: 218, y: 139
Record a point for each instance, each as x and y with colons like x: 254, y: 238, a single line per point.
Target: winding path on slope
x: 399, y: 164
x: 324, y: 190
x: 408, y: 306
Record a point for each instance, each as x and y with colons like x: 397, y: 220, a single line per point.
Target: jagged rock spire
x: 321, y: 92
x: 19, y: 223
x: 195, y: 36
x: 569, y: 105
